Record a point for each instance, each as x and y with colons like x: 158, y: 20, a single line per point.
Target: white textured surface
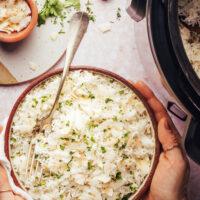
x: 116, y: 50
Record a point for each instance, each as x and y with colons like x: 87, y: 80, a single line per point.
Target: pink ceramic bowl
x: 145, y: 186
x: 18, y: 36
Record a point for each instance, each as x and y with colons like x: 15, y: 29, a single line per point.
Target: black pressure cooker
x: 172, y: 62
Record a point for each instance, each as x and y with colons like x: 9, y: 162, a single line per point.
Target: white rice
x: 190, y: 9
x: 100, y: 146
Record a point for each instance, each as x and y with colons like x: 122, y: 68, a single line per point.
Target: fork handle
x: 78, y: 27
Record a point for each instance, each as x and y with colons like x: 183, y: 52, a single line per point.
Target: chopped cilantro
x: 68, y: 103
x: 61, y: 197
x: 13, y: 140
x: 85, y: 140
x: 127, y: 134
x: 91, y: 96
x: 92, y: 125
x: 127, y: 196
x: 116, y: 145
x: 62, y: 147
x: 90, y: 11
x: 60, y: 105
x: 121, y: 92
x: 92, y: 139
x: 35, y: 103
x: 114, y: 119
x: 103, y: 149
x: 89, y: 148
x: 133, y: 187
x: 119, y: 13
x: 118, y: 176
x: 112, y: 80
x: 54, y: 8
x: 44, y: 99
x: 90, y: 166
x: 123, y: 146
x: 107, y: 100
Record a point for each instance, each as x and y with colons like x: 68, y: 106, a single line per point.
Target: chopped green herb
x: 67, y: 123
x: 118, y: 176
x: 65, y: 139
x: 124, y: 156
x: 112, y: 80
x: 62, y: 147
x: 61, y: 197
x: 55, y: 8
x: 119, y: 13
x: 52, y: 8
x: 73, y: 3
x: 60, y: 105
x: 92, y: 124
x: 41, y: 183
x: 13, y: 140
x: 107, y: 100
x: 127, y: 196
x: 121, y: 92
x: 123, y: 146
x: 35, y: 103
x: 68, y: 167
x: 61, y: 31
x: 116, y: 145
x: 103, y: 149
x: 58, y: 176
x: 90, y: 166
x: 127, y: 134
x: 133, y: 187
x: 89, y: 148
x: 114, y: 119
x: 92, y: 139
x: 68, y: 103
x: 44, y: 99
x: 90, y: 11
x: 91, y: 96
x: 85, y: 140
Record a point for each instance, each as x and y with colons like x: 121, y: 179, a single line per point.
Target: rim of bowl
x: 18, y: 36
x: 146, y: 183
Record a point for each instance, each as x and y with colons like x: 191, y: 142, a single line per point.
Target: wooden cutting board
x: 5, y: 76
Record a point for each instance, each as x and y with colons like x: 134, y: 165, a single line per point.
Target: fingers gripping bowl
x: 102, y: 143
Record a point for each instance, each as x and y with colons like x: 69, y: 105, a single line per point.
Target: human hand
x: 6, y: 192
x: 171, y: 176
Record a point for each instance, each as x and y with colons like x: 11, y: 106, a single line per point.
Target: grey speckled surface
x: 123, y: 50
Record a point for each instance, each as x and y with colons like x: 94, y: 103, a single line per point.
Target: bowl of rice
x: 102, y: 143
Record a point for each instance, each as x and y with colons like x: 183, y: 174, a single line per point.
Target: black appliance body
x: 172, y: 61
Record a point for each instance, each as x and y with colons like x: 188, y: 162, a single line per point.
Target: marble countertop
x: 124, y: 50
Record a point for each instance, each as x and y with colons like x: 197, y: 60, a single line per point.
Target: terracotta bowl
x: 145, y: 186
x: 17, y: 36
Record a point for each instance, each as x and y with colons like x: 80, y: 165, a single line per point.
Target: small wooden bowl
x: 146, y: 184
x: 18, y: 36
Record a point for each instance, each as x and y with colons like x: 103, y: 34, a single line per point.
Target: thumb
x: 1, y: 128
x: 168, y: 138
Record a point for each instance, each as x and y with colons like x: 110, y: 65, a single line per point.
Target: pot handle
x: 137, y: 9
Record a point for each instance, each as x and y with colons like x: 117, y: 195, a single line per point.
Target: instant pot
x: 172, y: 62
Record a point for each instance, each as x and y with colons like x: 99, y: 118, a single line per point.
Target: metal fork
x: 77, y: 29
